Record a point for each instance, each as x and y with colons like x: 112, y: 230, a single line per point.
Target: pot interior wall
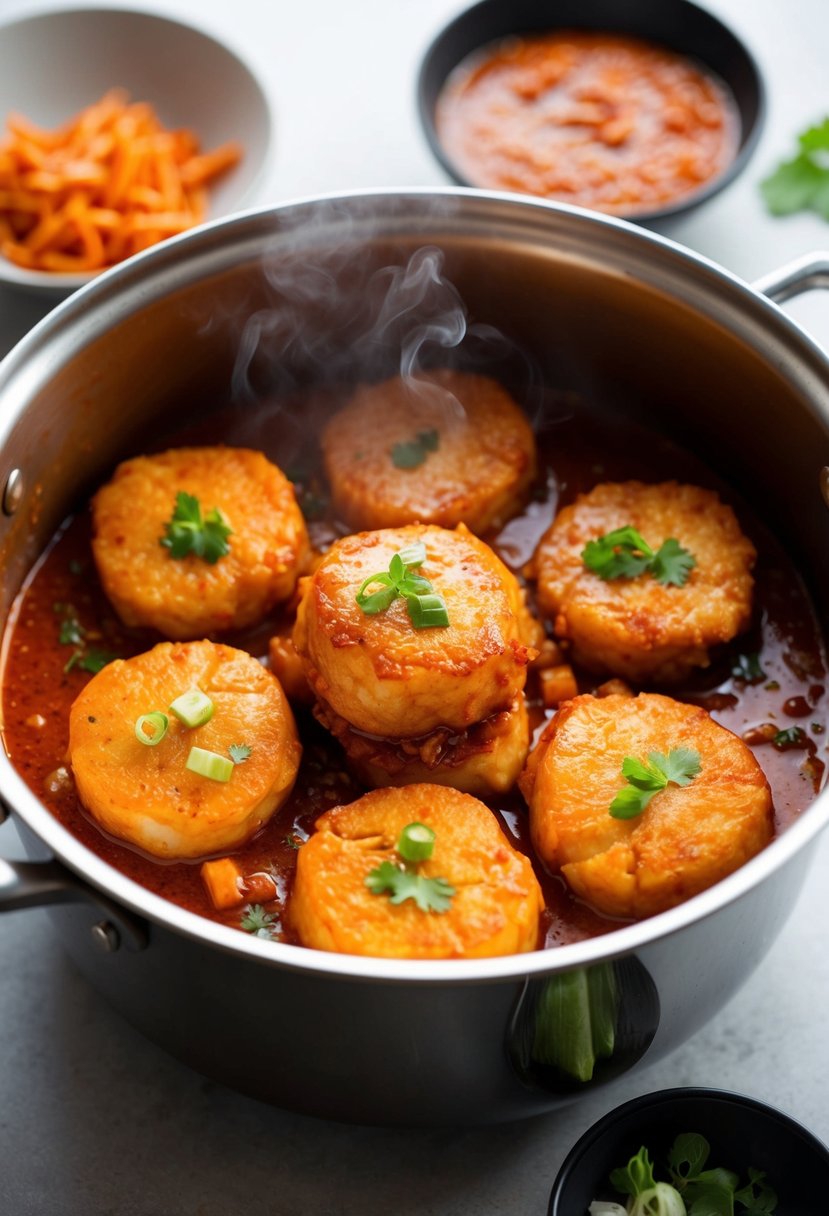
x: 575, y: 332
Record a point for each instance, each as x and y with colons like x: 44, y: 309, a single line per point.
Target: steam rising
x: 336, y: 320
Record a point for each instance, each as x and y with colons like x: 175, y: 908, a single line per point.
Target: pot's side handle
x: 39, y: 884
x: 804, y: 274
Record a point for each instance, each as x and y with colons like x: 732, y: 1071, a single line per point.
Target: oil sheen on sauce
x: 770, y: 680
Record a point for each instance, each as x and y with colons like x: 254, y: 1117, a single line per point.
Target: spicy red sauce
x: 791, y: 691
x: 599, y: 120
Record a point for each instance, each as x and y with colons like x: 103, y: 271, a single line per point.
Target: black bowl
x: 676, y: 24
x: 742, y: 1132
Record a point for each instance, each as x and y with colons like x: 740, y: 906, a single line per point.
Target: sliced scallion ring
x: 427, y: 611
x: 193, y: 708
x: 416, y: 842
x: 209, y: 764
x: 151, y: 728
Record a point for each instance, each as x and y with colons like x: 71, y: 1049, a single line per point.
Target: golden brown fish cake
x: 478, y: 473
x: 188, y: 597
x: 686, y: 839
x: 497, y: 902
x: 145, y: 794
x: 485, y: 759
x: 389, y: 679
x: 639, y: 628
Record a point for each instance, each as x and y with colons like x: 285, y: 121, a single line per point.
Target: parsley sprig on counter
x: 426, y: 609
x: 802, y: 183
x: 187, y: 531
x: 625, y: 553
x: 679, y: 767
x: 402, y: 880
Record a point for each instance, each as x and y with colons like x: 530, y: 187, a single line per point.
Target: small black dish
x: 742, y: 1132
x: 678, y: 25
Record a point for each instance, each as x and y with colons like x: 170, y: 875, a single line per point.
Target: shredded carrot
x: 106, y: 184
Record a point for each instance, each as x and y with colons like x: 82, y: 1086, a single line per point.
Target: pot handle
x: 803, y: 274
x: 39, y: 884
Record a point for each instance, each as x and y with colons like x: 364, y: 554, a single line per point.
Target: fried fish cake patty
x: 686, y: 839
x: 485, y: 759
x: 146, y: 795
x: 639, y: 628
x: 497, y: 902
x: 476, y: 470
x: 384, y: 676
x: 188, y: 597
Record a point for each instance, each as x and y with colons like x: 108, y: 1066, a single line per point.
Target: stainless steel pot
x: 601, y: 307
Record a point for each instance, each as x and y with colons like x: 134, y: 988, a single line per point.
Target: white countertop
x: 94, y: 1119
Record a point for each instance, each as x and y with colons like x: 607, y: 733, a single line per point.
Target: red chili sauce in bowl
x: 599, y: 120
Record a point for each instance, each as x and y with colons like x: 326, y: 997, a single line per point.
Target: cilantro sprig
x: 258, y: 922
x: 411, y: 455
x: 187, y: 531
x: 92, y: 660
x: 72, y: 633
x: 624, y: 553
x: 402, y: 880
x: 679, y: 767
x: 239, y: 752
x: 426, y: 609
x: 802, y: 183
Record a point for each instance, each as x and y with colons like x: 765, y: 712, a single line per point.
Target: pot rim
x: 105, y: 877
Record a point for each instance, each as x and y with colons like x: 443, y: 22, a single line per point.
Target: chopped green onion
x: 427, y: 611
x: 377, y: 601
x: 209, y: 764
x: 193, y: 708
x: 151, y: 728
x: 413, y: 555
x: 416, y: 843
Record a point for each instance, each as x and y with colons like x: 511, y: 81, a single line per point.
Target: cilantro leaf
x: 258, y: 922
x: 679, y: 767
x: 239, y: 752
x: 802, y: 183
x: 642, y: 776
x: 630, y: 802
x: 624, y: 553
x: 412, y: 454
x: 672, y: 564
x: 187, y: 532
x: 92, y: 660
x: 71, y: 632
x: 403, y: 882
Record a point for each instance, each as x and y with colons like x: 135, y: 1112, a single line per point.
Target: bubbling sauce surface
x: 791, y: 694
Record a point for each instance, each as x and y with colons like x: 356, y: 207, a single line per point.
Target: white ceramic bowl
x: 54, y: 63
